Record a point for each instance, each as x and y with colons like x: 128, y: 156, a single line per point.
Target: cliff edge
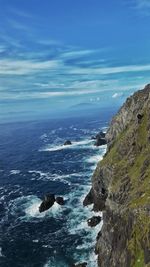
x: 121, y: 187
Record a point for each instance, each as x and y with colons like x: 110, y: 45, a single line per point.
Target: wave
x: 47, y: 176
x: 27, y: 208
x: 94, y: 159
x: 13, y: 172
x: 1, y: 255
x: 55, y: 263
x: 75, y: 145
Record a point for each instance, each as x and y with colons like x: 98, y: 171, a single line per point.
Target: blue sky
x: 55, y: 54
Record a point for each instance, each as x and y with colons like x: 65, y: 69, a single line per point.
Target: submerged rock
x: 67, y: 143
x: 47, y: 203
x: 60, y: 200
x: 92, y: 222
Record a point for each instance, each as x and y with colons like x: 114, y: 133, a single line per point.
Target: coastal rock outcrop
x: 121, y: 187
x: 100, y: 139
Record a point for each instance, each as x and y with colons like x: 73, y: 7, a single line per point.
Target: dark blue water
x: 33, y: 163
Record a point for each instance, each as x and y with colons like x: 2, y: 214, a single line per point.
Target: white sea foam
x: 77, y: 218
x: 32, y: 209
x: 75, y: 145
x: 13, y: 172
x: 30, y: 206
x: 53, y: 263
x: 35, y: 241
x: 94, y: 159
x: 1, y: 255
x: 104, y: 129
x: 47, y: 176
x: 43, y: 136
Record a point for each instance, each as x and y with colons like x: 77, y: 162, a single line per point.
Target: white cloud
x: 78, y: 53
x: 21, y: 67
x: 110, y: 70
x: 42, y: 95
x: 69, y: 93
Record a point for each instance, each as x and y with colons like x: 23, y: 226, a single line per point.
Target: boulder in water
x: 67, y: 143
x: 92, y: 222
x: 60, y: 200
x: 47, y: 203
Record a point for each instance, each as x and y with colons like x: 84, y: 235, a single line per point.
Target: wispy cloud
x: 19, y: 12
x: 42, y: 95
x: 22, y: 67
x: 78, y: 53
x: 18, y: 25
x: 111, y: 70
x: 140, y: 4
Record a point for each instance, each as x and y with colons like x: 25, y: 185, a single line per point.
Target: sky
x: 58, y: 56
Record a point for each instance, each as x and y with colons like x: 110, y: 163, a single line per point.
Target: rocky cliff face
x: 121, y: 187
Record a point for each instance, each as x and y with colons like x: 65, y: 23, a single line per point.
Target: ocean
x: 34, y: 162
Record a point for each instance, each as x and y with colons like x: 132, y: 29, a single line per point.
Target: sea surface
x: 33, y: 162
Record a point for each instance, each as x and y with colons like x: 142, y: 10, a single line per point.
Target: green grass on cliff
x: 119, y: 158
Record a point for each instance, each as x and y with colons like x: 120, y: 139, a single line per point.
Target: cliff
x: 121, y: 187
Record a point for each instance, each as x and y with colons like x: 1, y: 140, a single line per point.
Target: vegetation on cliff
x: 121, y: 187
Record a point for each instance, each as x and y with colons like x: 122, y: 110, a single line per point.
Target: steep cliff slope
x: 121, y: 187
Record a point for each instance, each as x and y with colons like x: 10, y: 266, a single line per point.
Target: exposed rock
x: 100, y: 139
x: 47, y: 203
x: 99, y: 235
x: 100, y: 142
x: 67, y: 143
x: 60, y: 200
x: 88, y: 199
x: 120, y: 187
x: 100, y: 135
x: 84, y: 264
x: 139, y: 117
x: 92, y: 222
